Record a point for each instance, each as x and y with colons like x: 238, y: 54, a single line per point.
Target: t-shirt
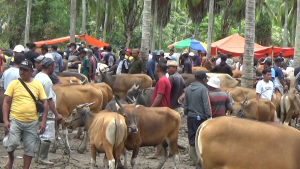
x: 110, y: 59
x: 31, y: 56
x: 187, y: 66
x: 48, y: 88
x: 58, y: 61
x: 136, y: 66
x: 237, y: 66
x: 177, y: 86
x: 220, y: 102
x: 54, y: 78
x: 163, y: 86
x: 130, y: 57
x: 122, y: 66
x: 10, y: 75
x: 278, y: 75
x: 265, y: 89
x: 92, y: 63
x: 23, y: 107
x: 85, y: 67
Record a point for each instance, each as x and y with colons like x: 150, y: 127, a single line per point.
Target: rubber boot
x: 43, y: 153
x: 193, y: 156
x: 36, y: 156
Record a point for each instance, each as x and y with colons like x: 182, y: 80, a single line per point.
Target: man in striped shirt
x: 220, y: 101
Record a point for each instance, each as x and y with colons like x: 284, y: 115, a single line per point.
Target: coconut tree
x: 98, y: 19
x: 27, y: 25
x: 83, y: 27
x: 105, y: 19
x: 297, y: 39
x: 247, y: 77
x: 285, y: 27
x: 210, y: 27
x: 145, y: 45
x: 163, y: 12
x: 73, y: 21
x: 153, y: 24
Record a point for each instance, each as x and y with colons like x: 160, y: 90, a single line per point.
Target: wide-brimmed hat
x: 214, y: 82
x: 172, y: 63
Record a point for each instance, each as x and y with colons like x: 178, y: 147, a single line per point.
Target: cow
x: 196, y: 69
x: 67, y: 97
x: 237, y: 74
x: 151, y: 126
x: 261, y: 110
x: 207, y: 64
x: 107, y: 132
x: 239, y: 94
x: 79, y: 76
x: 144, y: 98
x: 227, y: 142
x: 70, y: 81
x: 290, y: 106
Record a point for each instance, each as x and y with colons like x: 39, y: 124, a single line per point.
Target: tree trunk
x: 98, y: 20
x: 105, y: 20
x: 128, y: 36
x: 160, y: 34
x: 295, y: 19
x: 285, y: 32
x: 83, y: 28
x: 146, y: 32
x: 154, y: 21
x: 210, y: 28
x: 27, y: 25
x: 297, y: 39
x: 247, y: 77
x: 240, y: 27
x: 73, y: 21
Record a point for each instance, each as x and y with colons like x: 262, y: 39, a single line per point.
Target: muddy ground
x: 77, y: 160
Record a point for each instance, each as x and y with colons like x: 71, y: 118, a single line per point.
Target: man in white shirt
x: 264, y: 88
x: 123, y: 66
x: 239, y: 65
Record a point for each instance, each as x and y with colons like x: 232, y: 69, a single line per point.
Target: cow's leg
x: 135, y: 152
x: 54, y: 143
x: 85, y: 141
x: 79, y: 133
x: 67, y: 145
x: 163, y: 155
x: 124, y: 152
x: 174, y: 150
x: 118, y: 151
x: 288, y: 118
x: 109, y: 154
x: 93, y: 156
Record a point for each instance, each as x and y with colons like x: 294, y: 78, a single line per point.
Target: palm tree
x: 105, y: 20
x: 154, y: 21
x: 146, y: 31
x: 247, y: 77
x: 83, y: 28
x: 285, y: 32
x: 73, y: 21
x: 210, y: 27
x: 27, y: 25
x: 98, y: 20
x: 297, y: 39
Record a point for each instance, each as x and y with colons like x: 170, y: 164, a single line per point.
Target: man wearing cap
x: 187, y: 64
x: 54, y: 78
x: 192, y: 57
x: 57, y: 59
x: 128, y: 55
x: 20, y: 115
x: 177, y: 86
x: 223, y: 67
x: 13, y: 72
x: 31, y: 54
x: 17, y: 49
x: 220, y: 101
x: 279, y: 78
x: 197, y: 109
x: 48, y: 67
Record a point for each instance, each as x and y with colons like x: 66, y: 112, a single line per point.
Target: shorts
x: 25, y: 130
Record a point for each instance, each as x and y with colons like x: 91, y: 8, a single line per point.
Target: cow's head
x: 238, y: 108
x: 132, y: 93
x: 101, y: 69
x: 129, y: 111
x: 77, y: 82
x: 76, y: 119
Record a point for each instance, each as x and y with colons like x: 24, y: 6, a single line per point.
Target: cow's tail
x: 198, y: 142
x: 101, y: 100
x: 117, y: 132
x: 282, y: 108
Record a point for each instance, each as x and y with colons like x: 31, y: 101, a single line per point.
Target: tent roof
x: 87, y: 38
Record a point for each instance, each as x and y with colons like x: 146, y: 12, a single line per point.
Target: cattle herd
x: 116, y: 116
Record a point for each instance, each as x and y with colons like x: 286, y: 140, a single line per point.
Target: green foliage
x: 263, y: 29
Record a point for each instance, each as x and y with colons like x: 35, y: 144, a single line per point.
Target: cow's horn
x: 132, y: 101
x: 118, y: 102
x: 137, y: 98
x: 134, y: 83
x: 81, y: 105
x: 70, y: 80
x: 243, y: 102
x: 89, y: 104
x: 83, y: 83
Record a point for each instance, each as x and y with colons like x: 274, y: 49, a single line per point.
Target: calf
x: 227, y: 142
x: 261, y: 110
x: 290, y: 106
x: 155, y: 126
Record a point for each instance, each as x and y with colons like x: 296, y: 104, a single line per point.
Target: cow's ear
x: 118, y: 107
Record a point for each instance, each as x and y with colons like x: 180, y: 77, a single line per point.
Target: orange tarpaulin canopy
x: 87, y: 38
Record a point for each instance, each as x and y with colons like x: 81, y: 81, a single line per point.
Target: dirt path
x: 83, y: 160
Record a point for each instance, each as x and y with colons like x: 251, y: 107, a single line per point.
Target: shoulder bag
x: 38, y: 103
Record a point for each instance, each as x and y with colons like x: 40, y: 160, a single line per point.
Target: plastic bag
x: 49, y: 133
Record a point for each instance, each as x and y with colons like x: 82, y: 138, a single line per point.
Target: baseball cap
x: 128, y: 50
x: 26, y: 64
x: 171, y: 58
x: 19, y: 48
x: 172, y: 63
x: 200, y: 75
x: 214, y: 82
x: 158, y: 53
x: 47, y: 62
x: 41, y: 57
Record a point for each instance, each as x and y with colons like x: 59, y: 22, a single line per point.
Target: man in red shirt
x: 162, y: 90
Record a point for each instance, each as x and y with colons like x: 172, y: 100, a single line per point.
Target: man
x: 196, y: 58
x: 123, y: 66
x: 291, y: 61
x: 93, y: 66
x: 264, y: 88
x: 73, y: 59
x: 85, y: 64
x: 57, y: 59
x: 279, y: 78
x: 229, y: 60
x: 191, y: 57
x: 96, y: 51
x: 44, y: 49
x: 239, y: 65
x: 223, y: 67
x: 17, y: 49
x: 162, y: 58
x: 48, y: 67
x: 267, y: 57
x: 128, y: 55
x: 261, y: 63
x: 13, y: 72
x: 187, y: 64
x: 38, y: 65
x: 109, y: 58
x: 197, y: 109
x: 151, y: 66
x: 280, y: 56
x: 177, y: 86
x: 220, y: 101
x: 19, y: 106
x: 136, y: 65
x: 31, y: 54
x: 73, y: 49
x: 67, y: 51
x: 171, y: 52
x: 103, y: 52
x: 267, y: 64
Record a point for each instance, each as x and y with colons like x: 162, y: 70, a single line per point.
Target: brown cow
x: 227, y: 142
x: 151, y: 126
x: 196, y: 69
x: 237, y: 74
x: 207, y: 64
x: 290, y: 106
x: 70, y: 81
x: 261, y: 110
